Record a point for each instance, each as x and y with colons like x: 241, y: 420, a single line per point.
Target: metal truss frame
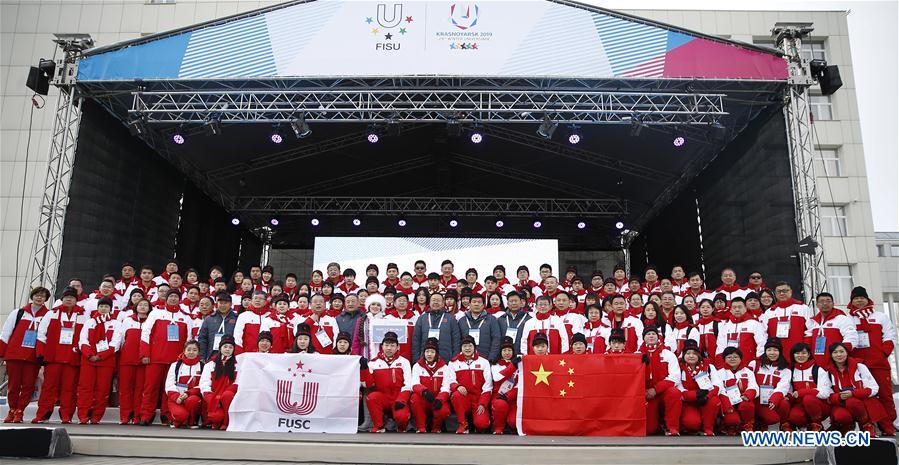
x: 433, y: 206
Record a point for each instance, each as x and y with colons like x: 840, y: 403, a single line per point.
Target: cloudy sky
x: 873, y: 40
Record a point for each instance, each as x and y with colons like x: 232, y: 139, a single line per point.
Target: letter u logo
x: 394, y: 19
x: 308, y: 400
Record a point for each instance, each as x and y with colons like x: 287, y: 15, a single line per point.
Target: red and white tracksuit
x: 774, y: 388
x: 327, y: 324
x: 57, y: 342
x: 435, y: 378
x: 734, y: 290
x: 475, y: 375
x: 549, y: 324
x: 282, y: 329
x: 392, y: 383
x: 662, y: 375
x: 824, y: 331
x: 708, y: 337
x: 736, y: 384
x: 695, y: 417
x: 218, y: 392
x: 21, y: 355
x: 505, y: 394
x: 99, y: 337
x: 677, y: 334
x: 183, y: 376
x: 246, y: 330
x: 863, y: 406
x: 574, y: 322
x: 411, y: 318
x: 787, y: 321
x: 811, y: 405
x: 131, y: 369
x: 633, y: 331
x: 162, y: 340
x: 597, y: 335
x: 744, y: 333
x: 876, y: 339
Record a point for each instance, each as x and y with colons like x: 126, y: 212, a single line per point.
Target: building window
x: 812, y: 50
x: 833, y: 221
x: 839, y: 282
x: 894, y: 250
x: 821, y: 107
x: 881, y: 250
x: 829, y: 162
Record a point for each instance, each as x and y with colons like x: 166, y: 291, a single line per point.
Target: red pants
x: 94, y: 384
x: 768, y: 417
x: 186, y: 412
x: 744, y: 413
x: 463, y: 404
x: 378, y: 403
x: 808, y: 409
x: 885, y: 394
x: 503, y: 414
x: 670, y: 402
x: 154, y: 385
x: 421, y: 408
x: 60, y: 380
x: 217, y: 407
x: 850, y: 411
x: 21, y: 376
x: 695, y: 417
x: 131, y: 390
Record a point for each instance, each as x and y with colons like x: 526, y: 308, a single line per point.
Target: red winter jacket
x: 154, y: 338
x: 13, y: 333
x: 662, y: 372
x: 49, y: 334
x: 475, y: 375
x: 130, y: 329
x: 97, y: 329
x: 391, y: 377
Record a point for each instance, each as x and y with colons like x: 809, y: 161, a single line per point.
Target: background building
x: 26, y: 33
x: 888, y: 257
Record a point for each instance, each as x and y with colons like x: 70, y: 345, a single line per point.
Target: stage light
x: 235, y: 221
x: 357, y: 222
x: 373, y: 138
x: 547, y: 128
x: 619, y: 225
x: 453, y: 223
x: 678, y: 141
x: 477, y: 137
x: 300, y: 128
x: 537, y: 224
x: 581, y: 225
x: 401, y: 223
x: 574, y: 136
x: 314, y: 222
x: 178, y: 138
x: 274, y: 221
x: 276, y: 138
x: 500, y: 223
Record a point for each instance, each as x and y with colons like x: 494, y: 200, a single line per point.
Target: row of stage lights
x: 452, y: 222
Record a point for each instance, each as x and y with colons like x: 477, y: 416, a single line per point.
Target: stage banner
x: 296, y: 393
x: 581, y: 395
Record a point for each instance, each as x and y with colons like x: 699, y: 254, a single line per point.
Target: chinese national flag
x: 582, y: 395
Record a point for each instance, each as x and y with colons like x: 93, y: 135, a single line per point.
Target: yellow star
x: 561, y: 363
x: 562, y: 393
x: 571, y: 371
x: 542, y: 376
x: 374, y: 30
x: 571, y: 384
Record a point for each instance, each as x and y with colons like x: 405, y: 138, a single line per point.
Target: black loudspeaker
x: 830, y: 80
x: 38, y: 81
x: 880, y: 452
x: 35, y: 442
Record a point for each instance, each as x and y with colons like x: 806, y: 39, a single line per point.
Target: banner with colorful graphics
x: 296, y: 393
x: 503, y: 38
x: 581, y: 395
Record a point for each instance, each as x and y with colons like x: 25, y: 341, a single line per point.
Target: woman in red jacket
x: 430, y: 389
x: 18, y: 340
x: 98, y: 343
x: 217, y: 384
x: 131, y: 368
x: 700, y: 387
x: 505, y: 387
x: 57, y: 345
x: 772, y: 374
x: 182, y: 387
x: 854, y: 397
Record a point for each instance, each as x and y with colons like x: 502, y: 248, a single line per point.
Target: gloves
x: 363, y: 363
x: 428, y: 395
x: 702, y: 392
x: 516, y: 360
x: 701, y: 400
x: 40, y: 360
x: 438, y: 404
x: 501, y: 396
x: 645, y: 359
x: 398, y: 406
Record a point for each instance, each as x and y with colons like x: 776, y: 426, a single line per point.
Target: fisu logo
x: 308, y: 398
x: 395, y: 18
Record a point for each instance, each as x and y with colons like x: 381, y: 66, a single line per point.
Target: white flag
x: 296, y: 393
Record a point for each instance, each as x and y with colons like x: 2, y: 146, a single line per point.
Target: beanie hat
x: 304, y: 330
x: 751, y: 295
x: 376, y: 298
x: 229, y: 339
x: 774, y: 342
x: 467, y: 339
x: 578, y: 337
x: 280, y: 298
x: 690, y: 344
x: 540, y: 338
x: 263, y: 335
x: 343, y: 336
x: 650, y: 329
x: 859, y: 291
x: 432, y: 344
x: 507, y: 342
x: 268, y: 269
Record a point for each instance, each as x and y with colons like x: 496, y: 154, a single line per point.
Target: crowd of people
x: 739, y: 357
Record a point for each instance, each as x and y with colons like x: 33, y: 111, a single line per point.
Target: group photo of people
x: 745, y: 356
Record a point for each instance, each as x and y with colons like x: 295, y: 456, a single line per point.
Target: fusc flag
x: 581, y: 395
x: 296, y: 393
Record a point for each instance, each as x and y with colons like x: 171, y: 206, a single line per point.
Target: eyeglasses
x: 782, y: 291
x: 755, y: 277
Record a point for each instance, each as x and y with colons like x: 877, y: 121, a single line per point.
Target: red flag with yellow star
x: 582, y: 395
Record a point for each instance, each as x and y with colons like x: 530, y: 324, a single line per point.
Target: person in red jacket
x: 700, y: 388
x: 811, y: 389
x: 431, y: 379
x: 739, y: 391
x: 505, y: 386
x: 57, y: 345
x: 249, y: 322
x: 787, y: 319
x: 131, y: 368
x: 182, y: 386
x: 161, y: 343
x: 772, y: 374
x: 389, y: 377
x: 662, y: 380
x: 18, y: 341
x: 829, y: 326
x: 473, y: 388
x: 854, y: 397
x: 217, y: 384
x: 876, y: 338
x: 99, y: 341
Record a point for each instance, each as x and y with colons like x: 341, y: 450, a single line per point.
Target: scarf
x: 864, y: 312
